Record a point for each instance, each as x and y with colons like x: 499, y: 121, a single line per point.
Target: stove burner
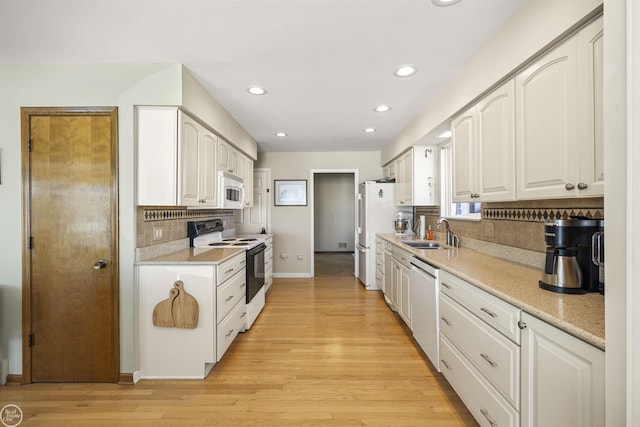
x: 233, y: 239
x: 248, y: 240
x: 218, y: 244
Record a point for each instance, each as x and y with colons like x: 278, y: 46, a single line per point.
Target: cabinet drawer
x: 229, y: 294
x: 490, y: 352
x: 402, y: 256
x: 501, y: 315
x: 229, y: 268
x: 488, y: 407
x: 229, y: 328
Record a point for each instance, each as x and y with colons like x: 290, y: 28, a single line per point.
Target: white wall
x: 334, y: 212
x: 196, y: 99
x: 534, y: 26
x: 291, y: 224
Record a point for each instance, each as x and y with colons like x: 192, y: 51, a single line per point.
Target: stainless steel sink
x: 421, y: 244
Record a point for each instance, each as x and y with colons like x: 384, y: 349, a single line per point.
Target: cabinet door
x: 208, y: 177
x: 223, y: 156
x: 400, y: 180
x: 395, y: 284
x: 546, y: 126
x: 188, y: 184
x: 495, y: 145
x: 407, y: 163
x: 464, y: 157
x: 405, y: 294
x: 562, y: 378
x: 590, y: 53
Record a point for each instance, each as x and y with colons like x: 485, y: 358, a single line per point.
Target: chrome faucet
x: 452, y: 239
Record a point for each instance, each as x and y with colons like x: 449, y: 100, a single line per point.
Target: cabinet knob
x: 569, y: 186
x: 582, y: 186
x: 521, y: 324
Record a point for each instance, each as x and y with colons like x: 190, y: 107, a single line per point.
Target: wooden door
x: 70, y: 267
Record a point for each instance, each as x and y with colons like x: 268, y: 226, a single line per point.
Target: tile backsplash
x: 518, y: 224
x: 156, y: 225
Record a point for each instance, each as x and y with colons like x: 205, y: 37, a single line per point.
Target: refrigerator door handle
x: 362, y: 249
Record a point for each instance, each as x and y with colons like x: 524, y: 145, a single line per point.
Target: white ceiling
x: 325, y: 63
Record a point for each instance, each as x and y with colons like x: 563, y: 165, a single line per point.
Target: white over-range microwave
x: 230, y: 191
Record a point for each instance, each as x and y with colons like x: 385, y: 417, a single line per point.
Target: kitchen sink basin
x: 421, y: 244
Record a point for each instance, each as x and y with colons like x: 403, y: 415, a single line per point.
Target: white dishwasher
x: 425, y: 308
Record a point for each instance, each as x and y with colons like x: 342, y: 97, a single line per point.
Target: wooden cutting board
x: 162, y: 312
x: 185, y: 308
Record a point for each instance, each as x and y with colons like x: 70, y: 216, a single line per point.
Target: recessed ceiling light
x: 405, y: 71
x: 444, y: 2
x: 369, y: 130
x: 445, y: 134
x: 281, y: 134
x: 256, y: 90
x: 382, y: 108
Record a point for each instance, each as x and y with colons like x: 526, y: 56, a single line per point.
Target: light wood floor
x: 324, y: 352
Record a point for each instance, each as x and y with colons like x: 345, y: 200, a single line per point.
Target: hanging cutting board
x: 185, y: 308
x: 162, y: 313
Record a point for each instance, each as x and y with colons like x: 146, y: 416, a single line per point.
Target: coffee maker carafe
x: 569, y: 265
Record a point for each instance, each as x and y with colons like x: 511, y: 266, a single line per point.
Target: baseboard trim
x: 292, y: 275
x: 14, y: 379
x: 126, y: 378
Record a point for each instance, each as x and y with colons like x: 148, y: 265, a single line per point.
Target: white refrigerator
x: 376, y: 214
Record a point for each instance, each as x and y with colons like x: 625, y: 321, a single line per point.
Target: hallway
x: 324, y: 352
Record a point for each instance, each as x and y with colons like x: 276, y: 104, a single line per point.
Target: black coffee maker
x: 574, y: 262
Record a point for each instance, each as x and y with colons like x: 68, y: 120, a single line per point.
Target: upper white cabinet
x: 559, y: 120
x: 484, y: 149
x: 176, y: 159
x: 415, y: 172
x: 562, y: 378
x: 245, y: 171
x: 227, y: 158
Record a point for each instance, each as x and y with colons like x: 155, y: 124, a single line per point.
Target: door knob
x: 100, y: 264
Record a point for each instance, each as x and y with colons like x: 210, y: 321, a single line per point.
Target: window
x: 449, y: 209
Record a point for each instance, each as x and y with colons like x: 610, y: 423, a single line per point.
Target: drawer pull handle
x: 489, y: 312
x: 486, y: 415
x: 243, y: 314
x: 488, y: 359
x: 446, y: 285
x: 228, y: 271
x: 244, y: 285
x: 229, y: 298
x: 229, y: 333
x: 444, y: 362
x: 447, y: 321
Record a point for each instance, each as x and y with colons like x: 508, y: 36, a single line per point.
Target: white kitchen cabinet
x: 227, y: 157
x: 401, y: 283
x: 380, y: 264
x: 416, y: 172
x: 176, y: 159
x: 245, y: 171
x: 562, y: 378
x: 480, y: 356
x: 484, y: 149
x: 268, y: 263
x: 231, y: 304
x: 559, y: 142
x: 387, y: 271
x: 170, y: 352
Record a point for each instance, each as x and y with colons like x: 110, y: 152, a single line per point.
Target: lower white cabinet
x: 478, y: 354
x: 401, y: 283
x: 170, y: 352
x: 268, y: 263
x: 562, y: 378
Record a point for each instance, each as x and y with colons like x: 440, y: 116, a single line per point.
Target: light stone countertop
x: 580, y: 315
x: 193, y: 256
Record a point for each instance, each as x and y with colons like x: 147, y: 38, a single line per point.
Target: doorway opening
x: 333, y: 222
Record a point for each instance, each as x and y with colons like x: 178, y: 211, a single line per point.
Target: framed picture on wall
x: 290, y: 192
